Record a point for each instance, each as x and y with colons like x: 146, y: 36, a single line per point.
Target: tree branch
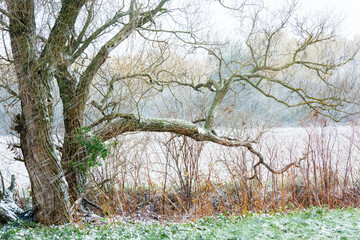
x: 177, y: 126
x: 94, y: 35
x: 5, y: 13
x: 62, y: 29
x: 82, y: 90
x: 188, y: 129
x: 268, y: 167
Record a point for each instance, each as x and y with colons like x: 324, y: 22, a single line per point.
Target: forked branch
x: 268, y: 167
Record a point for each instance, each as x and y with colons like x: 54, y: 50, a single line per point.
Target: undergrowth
x: 174, y: 178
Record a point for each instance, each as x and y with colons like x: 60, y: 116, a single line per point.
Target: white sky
x: 348, y: 9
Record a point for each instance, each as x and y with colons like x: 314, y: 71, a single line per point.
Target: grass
x: 313, y: 223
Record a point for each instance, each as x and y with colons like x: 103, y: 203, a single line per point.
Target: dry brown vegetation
x: 169, y: 177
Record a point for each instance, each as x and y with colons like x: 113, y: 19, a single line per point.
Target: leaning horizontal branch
x: 188, y: 129
x: 177, y: 126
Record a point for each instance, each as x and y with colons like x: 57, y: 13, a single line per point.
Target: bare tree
x: 66, y: 53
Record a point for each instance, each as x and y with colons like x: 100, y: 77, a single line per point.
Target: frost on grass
x: 313, y: 223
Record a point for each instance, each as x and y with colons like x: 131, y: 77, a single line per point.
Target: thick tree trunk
x: 72, y: 152
x: 49, y: 187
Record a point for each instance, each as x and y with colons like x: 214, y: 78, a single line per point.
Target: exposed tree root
x: 9, y: 211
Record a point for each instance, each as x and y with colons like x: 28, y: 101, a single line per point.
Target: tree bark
x: 72, y: 152
x: 49, y: 188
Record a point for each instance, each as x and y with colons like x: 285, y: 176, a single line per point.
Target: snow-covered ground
x: 9, y: 166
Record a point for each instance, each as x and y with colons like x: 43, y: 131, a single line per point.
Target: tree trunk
x: 49, y: 187
x: 72, y: 155
x: 72, y: 152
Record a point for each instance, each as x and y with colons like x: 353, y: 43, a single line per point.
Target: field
x: 314, y: 223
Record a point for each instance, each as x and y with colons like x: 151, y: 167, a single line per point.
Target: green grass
x: 314, y: 223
